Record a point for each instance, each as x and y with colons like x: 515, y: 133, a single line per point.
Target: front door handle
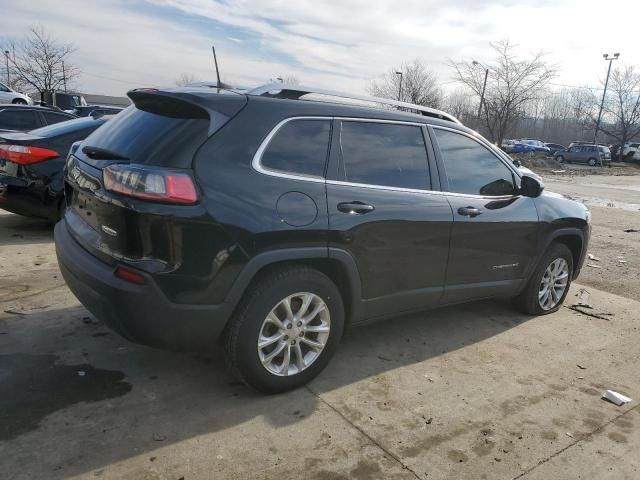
x: 355, y: 207
x: 469, y: 211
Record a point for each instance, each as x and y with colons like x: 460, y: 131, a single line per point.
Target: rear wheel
x: 560, y: 158
x: 592, y: 162
x: 286, y: 329
x: 550, y: 282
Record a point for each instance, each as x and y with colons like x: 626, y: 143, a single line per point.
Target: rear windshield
x: 63, y: 128
x: 148, y: 138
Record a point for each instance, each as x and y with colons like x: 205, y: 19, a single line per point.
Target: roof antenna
x: 215, y: 60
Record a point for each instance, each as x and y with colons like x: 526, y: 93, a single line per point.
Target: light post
x: 606, y: 82
x: 484, y: 86
x: 6, y: 56
x: 400, y: 86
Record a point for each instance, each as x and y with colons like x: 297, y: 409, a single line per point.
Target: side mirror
x: 530, y: 186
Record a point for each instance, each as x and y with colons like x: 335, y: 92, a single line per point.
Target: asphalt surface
x: 476, y: 391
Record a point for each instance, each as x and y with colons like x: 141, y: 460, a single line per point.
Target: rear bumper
x: 140, y: 313
x: 17, y: 197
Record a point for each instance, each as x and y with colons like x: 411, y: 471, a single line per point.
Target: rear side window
x: 299, y: 147
x: 385, y: 154
x: 150, y: 138
x: 471, y: 168
x: 52, y: 118
x: 18, y: 120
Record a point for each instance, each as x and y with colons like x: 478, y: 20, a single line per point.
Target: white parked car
x: 9, y: 95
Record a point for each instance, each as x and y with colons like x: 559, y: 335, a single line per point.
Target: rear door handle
x: 469, y: 211
x: 355, y: 207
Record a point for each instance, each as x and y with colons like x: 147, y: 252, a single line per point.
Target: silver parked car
x: 585, y: 153
x: 9, y: 95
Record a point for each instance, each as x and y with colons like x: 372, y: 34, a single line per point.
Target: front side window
x: 471, y: 168
x: 299, y: 147
x: 385, y: 154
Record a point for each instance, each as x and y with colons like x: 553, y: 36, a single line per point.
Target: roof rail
x: 295, y: 92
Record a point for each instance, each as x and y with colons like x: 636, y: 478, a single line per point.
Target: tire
x: 248, y: 324
x: 19, y: 101
x: 528, y: 301
x: 560, y: 158
x: 592, y: 162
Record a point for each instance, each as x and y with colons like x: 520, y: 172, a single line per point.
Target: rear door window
x: 385, y: 154
x: 299, y: 147
x: 18, y: 120
x: 471, y: 168
x: 53, y: 118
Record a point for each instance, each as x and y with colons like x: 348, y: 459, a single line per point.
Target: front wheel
x: 285, y: 330
x: 550, y: 282
x: 19, y: 101
x: 560, y: 159
x: 592, y: 162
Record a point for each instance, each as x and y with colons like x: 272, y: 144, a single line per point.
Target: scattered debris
x: 632, y: 230
x: 580, y: 378
x: 558, y: 171
x: 581, y: 367
x: 592, y: 265
x: 159, y: 438
x: 14, y: 312
x: 622, y: 261
x: 429, y: 420
x: 81, y: 373
x: 569, y: 434
x: 580, y: 309
x: 615, y: 397
x: 583, y: 299
x: 593, y: 257
x: 384, y: 358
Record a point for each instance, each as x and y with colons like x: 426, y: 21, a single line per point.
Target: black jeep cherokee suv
x: 274, y: 218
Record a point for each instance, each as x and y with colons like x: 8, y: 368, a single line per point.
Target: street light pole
x: 606, y: 82
x: 400, y: 87
x: 6, y: 55
x: 484, y: 87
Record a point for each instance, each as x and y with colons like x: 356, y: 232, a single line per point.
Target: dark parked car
x: 31, y: 166
x: 555, y: 147
x: 272, y: 222
x: 96, y: 111
x: 23, y: 118
x: 584, y: 153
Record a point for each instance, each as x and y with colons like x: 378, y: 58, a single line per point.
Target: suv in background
x: 555, y: 147
x: 23, y: 118
x: 584, y: 153
x: 273, y: 221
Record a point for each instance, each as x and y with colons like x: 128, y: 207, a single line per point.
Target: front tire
x: 592, y: 162
x: 19, y: 101
x: 285, y: 329
x: 560, y: 159
x: 548, y: 286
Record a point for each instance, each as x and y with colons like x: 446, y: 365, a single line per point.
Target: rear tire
x: 253, y: 323
x: 592, y: 162
x: 560, y: 159
x: 530, y: 301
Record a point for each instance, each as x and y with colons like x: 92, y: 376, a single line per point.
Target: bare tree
x: 40, y: 62
x: 185, y: 79
x: 622, y: 105
x: 460, y: 104
x: 512, y: 83
x: 419, y: 85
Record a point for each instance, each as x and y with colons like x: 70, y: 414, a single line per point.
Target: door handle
x: 469, y: 211
x: 355, y: 207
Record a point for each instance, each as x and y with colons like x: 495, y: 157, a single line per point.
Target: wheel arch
x: 573, y: 238
x: 337, y: 264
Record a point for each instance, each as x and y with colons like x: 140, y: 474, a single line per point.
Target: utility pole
x: 6, y: 55
x: 484, y: 87
x: 64, y: 78
x: 400, y: 86
x: 606, y: 82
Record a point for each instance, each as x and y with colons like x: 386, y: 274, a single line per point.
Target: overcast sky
x: 341, y: 45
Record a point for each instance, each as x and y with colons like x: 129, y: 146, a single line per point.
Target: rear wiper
x: 98, y: 153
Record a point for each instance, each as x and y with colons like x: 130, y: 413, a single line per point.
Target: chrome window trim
x: 256, y: 163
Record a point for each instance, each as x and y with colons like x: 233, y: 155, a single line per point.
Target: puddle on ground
x: 33, y: 386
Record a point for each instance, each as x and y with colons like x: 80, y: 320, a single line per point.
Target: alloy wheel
x: 294, y: 334
x: 554, y: 283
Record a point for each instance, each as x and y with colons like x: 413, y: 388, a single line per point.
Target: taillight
x: 25, y: 155
x: 129, y: 275
x: 157, y: 184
